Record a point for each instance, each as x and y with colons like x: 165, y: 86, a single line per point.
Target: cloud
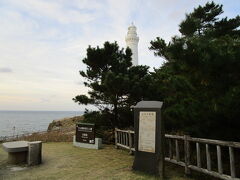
x: 44, y: 42
x: 5, y: 70
x: 45, y: 100
x: 80, y: 83
x: 61, y: 12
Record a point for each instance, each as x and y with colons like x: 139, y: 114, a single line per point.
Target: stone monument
x: 149, y: 138
x: 132, y: 42
x: 85, y: 136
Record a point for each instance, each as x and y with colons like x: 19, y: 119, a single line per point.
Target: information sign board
x: 85, y: 133
x: 147, y: 131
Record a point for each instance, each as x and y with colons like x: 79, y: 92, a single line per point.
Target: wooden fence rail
x: 125, y: 139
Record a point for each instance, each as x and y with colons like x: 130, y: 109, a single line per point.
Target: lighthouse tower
x: 132, y: 42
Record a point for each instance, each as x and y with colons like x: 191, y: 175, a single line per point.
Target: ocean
x: 19, y: 122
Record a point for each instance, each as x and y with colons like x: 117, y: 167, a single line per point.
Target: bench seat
x: 24, y: 152
x: 16, y: 146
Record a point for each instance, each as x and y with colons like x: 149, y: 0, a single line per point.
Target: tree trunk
x: 115, y: 111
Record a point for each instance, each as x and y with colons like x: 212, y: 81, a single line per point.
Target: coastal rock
x: 65, y: 123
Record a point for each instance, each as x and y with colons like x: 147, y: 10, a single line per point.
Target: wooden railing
x: 184, y: 157
x: 124, y: 139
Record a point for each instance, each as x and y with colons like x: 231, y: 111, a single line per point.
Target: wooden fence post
x: 170, y: 148
x: 130, y: 142
x: 208, y: 156
x: 187, y: 154
x: 219, y: 159
x: 116, y: 138
x: 198, y: 155
x: 232, y: 162
x: 177, y: 150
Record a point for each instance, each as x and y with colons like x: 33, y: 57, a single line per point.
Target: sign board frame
x: 85, y: 133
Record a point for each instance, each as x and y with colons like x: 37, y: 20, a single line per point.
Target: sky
x: 43, y: 42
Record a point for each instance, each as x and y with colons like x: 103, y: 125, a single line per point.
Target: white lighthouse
x: 132, y: 42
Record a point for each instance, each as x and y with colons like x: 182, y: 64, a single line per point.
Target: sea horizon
x: 46, y: 110
x: 14, y: 122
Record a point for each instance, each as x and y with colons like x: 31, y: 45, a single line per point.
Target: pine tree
x: 203, y: 77
x: 115, y: 85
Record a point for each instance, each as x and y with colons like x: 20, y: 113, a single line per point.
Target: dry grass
x: 65, y: 123
x: 51, y: 136
x: 63, y: 161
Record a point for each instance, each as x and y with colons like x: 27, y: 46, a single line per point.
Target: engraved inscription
x: 147, y: 128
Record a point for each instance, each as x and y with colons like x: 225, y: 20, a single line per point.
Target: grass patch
x: 63, y: 161
x: 51, y: 136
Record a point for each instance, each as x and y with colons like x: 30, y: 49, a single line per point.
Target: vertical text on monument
x: 147, y: 131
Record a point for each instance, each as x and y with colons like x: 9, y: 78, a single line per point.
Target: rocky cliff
x: 65, y: 123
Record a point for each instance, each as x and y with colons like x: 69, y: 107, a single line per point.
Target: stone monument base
x: 97, y: 145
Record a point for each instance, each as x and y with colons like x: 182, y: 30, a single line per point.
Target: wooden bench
x: 24, y: 152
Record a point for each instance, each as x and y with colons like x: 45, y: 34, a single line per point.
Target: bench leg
x: 34, y: 153
x: 17, y: 157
